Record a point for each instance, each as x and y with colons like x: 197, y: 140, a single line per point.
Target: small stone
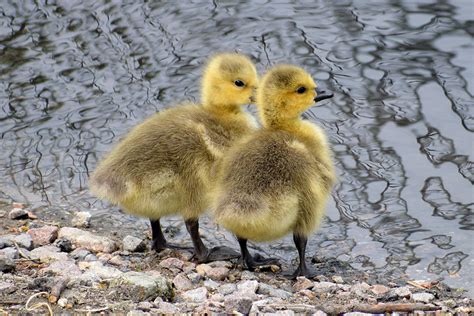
x: 3, y: 213
x: 5, y: 241
x: 64, y: 244
x: 217, y: 297
x: 10, y: 253
x: 321, y: 287
x: 203, y: 268
x: 144, y: 285
x: 221, y: 264
x: 6, y: 264
x: 227, y: 289
x: 81, y: 219
x: 7, y: 287
x: 118, y: 261
x: 194, y: 277
x: 308, y: 293
x: 218, y: 273
x: 166, y: 308
x: 198, y: 295
x: 171, y: 263
x: 423, y: 297
x: 403, y: 292
x: 18, y: 213
x: 271, y: 291
x: 182, y: 283
x: 87, y: 240
x: 137, y: 312
x: 361, y: 289
x: 238, y: 304
x: 337, y: 279
x: 145, y: 306
x: 22, y: 240
x: 320, y: 313
x: 62, y: 302
x: 285, y: 312
x: 248, y: 287
x: 99, y: 270
x: 48, y: 253
x: 379, y: 289
x: 302, y: 283
x: 79, y: 254
x: 212, y: 285
x: 248, y: 275
x: 44, y: 235
x: 133, y: 244
x: 18, y: 205
x: 63, y: 268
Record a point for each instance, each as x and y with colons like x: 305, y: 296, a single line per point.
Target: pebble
x: 182, y: 283
x: 198, y: 295
x: 403, y: 291
x: 203, y: 268
x: 248, y: 275
x: 236, y: 303
x: 145, y: 306
x: 6, y: 264
x: 271, y: 291
x: 79, y: 253
x: 379, y: 289
x: 64, y: 244
x: 63, y: 268
x: 423, y: 297
x: 166, y: 308
x: 81, y: 219
x: 3, y: 213
x: 62, y: 302
x: 133, y: 244
x: 302, y: 283
x: 360, y: 289
x: 171, y: 263
x: 87, y: 240
x: 48, y: 253
x: 212, y: 285
x: 218, y: 273
x: 194, y: 277
x: 10, y: 253
x: 144, y: 285
x: 227, y: 289
x: 44, y: 235
x: 7, y: 287
x: 337, y: 279
x: 248, y: 287
x: 98, y: 269
x: 23, y: 240
x: 18, y: 213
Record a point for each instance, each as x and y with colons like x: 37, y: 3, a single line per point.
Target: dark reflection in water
x: 75, y: 76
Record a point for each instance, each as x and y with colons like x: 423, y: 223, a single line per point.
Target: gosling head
x: 285, y: 92
x: 229, y: 81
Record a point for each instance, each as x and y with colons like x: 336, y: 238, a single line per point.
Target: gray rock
x: 80, y: 254
x: 48, y: 253
x: 6, y: 264
x: 212, y: 285
x: 361, y: 289
x: 423, y: 297
x: 7, y: 287
x: 81, y: 219
x: 137, y: 312
x: 227, y: 289
x: 24, y: 240
x: 144, y: 285
x: 172, y: 263
x: 145, y: 306
x: 64, y: 268
x: 10, y: 253
x: 194, y: 277
x: 133, y: 244
x: 84, y: 239
x: 18, y: 213
x: 379, y: 289
x: 402, y: 292
x: 217, y: 273
x: 320, y: 313
x: 166, y: 308
x: 271, y: 291
x: 248, y: 275
x: 5, y: 242
x: 198, y: 295
x: 248, y: 287
x: 182, y: 283
x: 98, y: 270
x: 338, y: 279
x: 235, y: 303
x: 285, y: 312
x: 302, y: 283
x: 221, y: 264
x: 357, y: 314
x: 3, y: 213
x: 43, y: 235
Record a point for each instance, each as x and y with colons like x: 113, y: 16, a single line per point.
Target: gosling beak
x: 322, y: 95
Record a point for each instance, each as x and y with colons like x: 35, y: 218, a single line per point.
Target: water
x: 75, y: 76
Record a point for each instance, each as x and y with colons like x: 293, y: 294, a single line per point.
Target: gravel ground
x: 48, y: 267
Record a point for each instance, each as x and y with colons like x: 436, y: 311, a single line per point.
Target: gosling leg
x: 252, y: 262
x: 302, y: 270
x: 159, y: 242
x: 200, y: 250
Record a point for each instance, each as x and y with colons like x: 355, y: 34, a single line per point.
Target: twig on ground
x: 38, y: 305
x: 394, y: 307
x: 88, y: 311
x: 56, y: 290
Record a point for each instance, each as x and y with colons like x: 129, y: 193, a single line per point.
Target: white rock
x: 403, y: 291
x: 48, y: 253
x: 81, y: 219
x: 227, y: 288
x: 423, y: 297
x: 133, y: 244
x: 145, y: 285
x: 18, y: 213
x: 84, y: 239
x: 64, y: 268
x: 198, y: 295
x: 10, y: 253
x: 98, y: 269
x: 210, y: 284
x: 249, y: 286
x: 271, y: 291
x: 62, y: 302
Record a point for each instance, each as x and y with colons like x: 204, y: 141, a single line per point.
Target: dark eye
x: 239, y: 83
x: 301, y: 90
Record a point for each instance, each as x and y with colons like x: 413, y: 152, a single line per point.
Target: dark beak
x: 322, y: 95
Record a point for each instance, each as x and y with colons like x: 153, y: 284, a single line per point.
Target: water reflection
x: 76, y: 76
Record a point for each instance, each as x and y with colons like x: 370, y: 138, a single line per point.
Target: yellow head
x: 284, y: 93
x: 228, y: 82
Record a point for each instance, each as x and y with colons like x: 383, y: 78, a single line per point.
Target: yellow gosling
x: 277, y: 180
x: 163, y: 166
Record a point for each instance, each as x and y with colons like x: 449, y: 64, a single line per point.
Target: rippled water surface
x: 75, y: 76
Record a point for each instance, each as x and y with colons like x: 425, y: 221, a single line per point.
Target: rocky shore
x: 48, y: 267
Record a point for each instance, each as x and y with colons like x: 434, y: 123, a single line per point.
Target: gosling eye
x: 239, y: 83
x: 301, y: 90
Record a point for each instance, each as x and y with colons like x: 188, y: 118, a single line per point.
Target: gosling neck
x: 289, y: 125
x: 222, y: 109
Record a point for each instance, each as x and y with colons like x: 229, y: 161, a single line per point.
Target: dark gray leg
x: 200, y: 250
x: 158, y: 239
x: 302, y: 270
x: 252, y: 262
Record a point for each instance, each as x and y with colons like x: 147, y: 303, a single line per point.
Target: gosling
x: 163, y: 166
x: 278, y: 179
